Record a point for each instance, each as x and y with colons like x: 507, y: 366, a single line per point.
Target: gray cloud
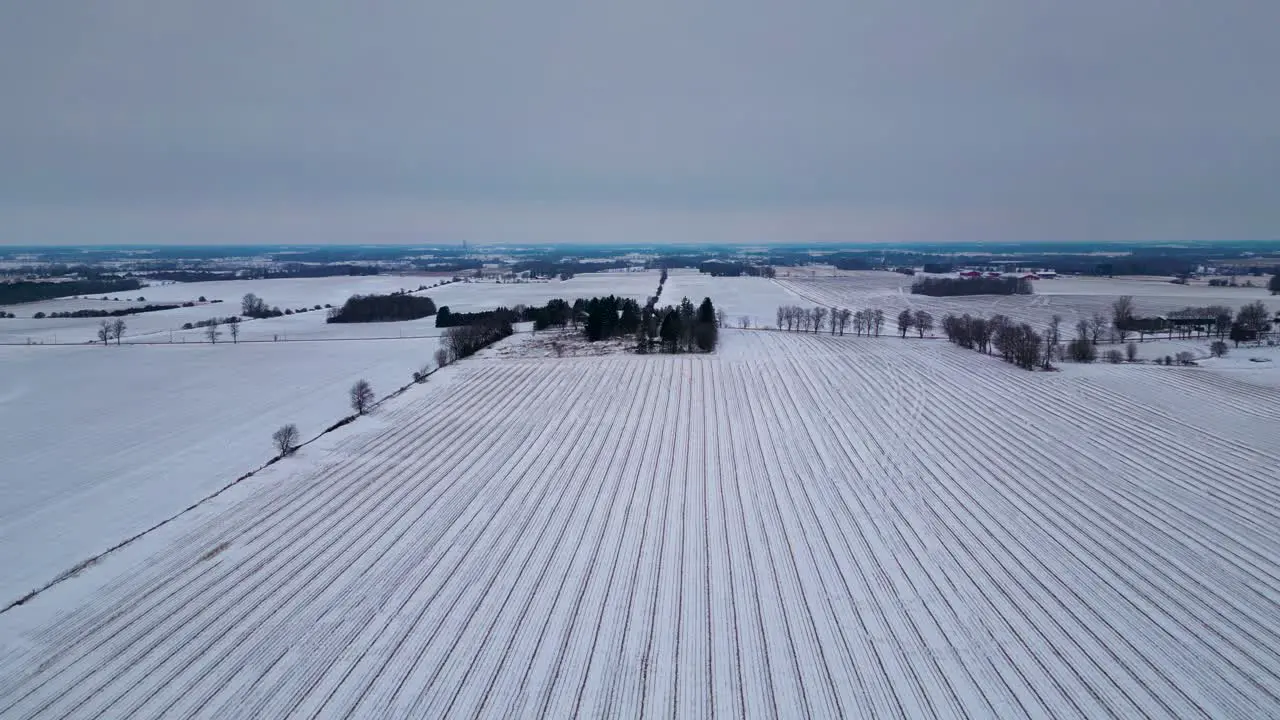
x: 153, y: 121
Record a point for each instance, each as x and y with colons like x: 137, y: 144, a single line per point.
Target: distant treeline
x: 569, y: 268
x: 32, y: 291
x: 447, y: 318
x: 105, y: 313
x: 448, y: 265
x: 383, y: 308
x: 720, y: 268
x: 851, y: 263
x: 288, y: 271
x: 946, y: 287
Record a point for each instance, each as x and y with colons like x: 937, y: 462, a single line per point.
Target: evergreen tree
x: 706, y: 332
x: 670, y: 330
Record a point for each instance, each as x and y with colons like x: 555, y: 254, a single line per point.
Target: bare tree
x: 117, y: 329
x: 1051, y: 338
x: 923, y: 322
x: 361, y: 396
x: 782, y: 316
x: 744, y: 322
x: 211, y: 330
x: 833, y: 321
x: 1098, y: 324
x: 104, y: 333
x: 1254, y: 317
x: 234, y: 326
x: 442, y: 357
x: 285, y: 439
x: 905, y: 321
x: 721, y: 318
x: 1218, y: 348
x: 1122, y: 315
x: 877, y: 320
x: 819, y: 314
x: 1131, y: 352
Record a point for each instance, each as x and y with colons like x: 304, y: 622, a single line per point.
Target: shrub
x: 1131, y: 352
x: 1218, y: 348
x: 1114, y: 356
x: 1081, y: 350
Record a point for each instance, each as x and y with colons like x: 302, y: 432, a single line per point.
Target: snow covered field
x: 485, y: 295
x: 290, y: 293
x: 100, y: 443
x: 799, y: 526
x: 1071, y: 297
x: 295, y: 293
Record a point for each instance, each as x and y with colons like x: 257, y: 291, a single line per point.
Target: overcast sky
x: 163, y: 121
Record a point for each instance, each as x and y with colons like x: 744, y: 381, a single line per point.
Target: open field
x: 798, y: 525
x: 1071, y: 297
x: 295, y: 293
x: 756, y: 298
x: 100, y: 443
x: 485, y: 295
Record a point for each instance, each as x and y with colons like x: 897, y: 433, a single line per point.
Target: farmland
x: 101, y: 443
x: 798, y: 525
x: 1070, y: 297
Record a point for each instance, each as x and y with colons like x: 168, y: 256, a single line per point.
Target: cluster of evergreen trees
x: 447, y: 318
x: 383, y: 308
x: 30, y: 291
x: 721, y: 268
x: 947, y: 287
x: 610, y: 317
x: 556, y: 312
x: 680, y: 328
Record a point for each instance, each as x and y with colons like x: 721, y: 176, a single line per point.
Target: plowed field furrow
x: 799, y: 525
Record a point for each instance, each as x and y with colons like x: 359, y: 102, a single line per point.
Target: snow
x: 756, y: 298
x: 296, y: 293
x: 285, y: 292
x: 1073, y: 298
x: 485, y: 295
x: 101, y: 443
x: 1246, y: 364
x: 797, y: 525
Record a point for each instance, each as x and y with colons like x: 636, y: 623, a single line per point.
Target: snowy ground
x: 1071, y: 297
x: 100, y: 443
x: 799, y: 525
x: 166, y: 326
x: 290, y: 293
x: 485, y: 295
x: 756, y: 298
